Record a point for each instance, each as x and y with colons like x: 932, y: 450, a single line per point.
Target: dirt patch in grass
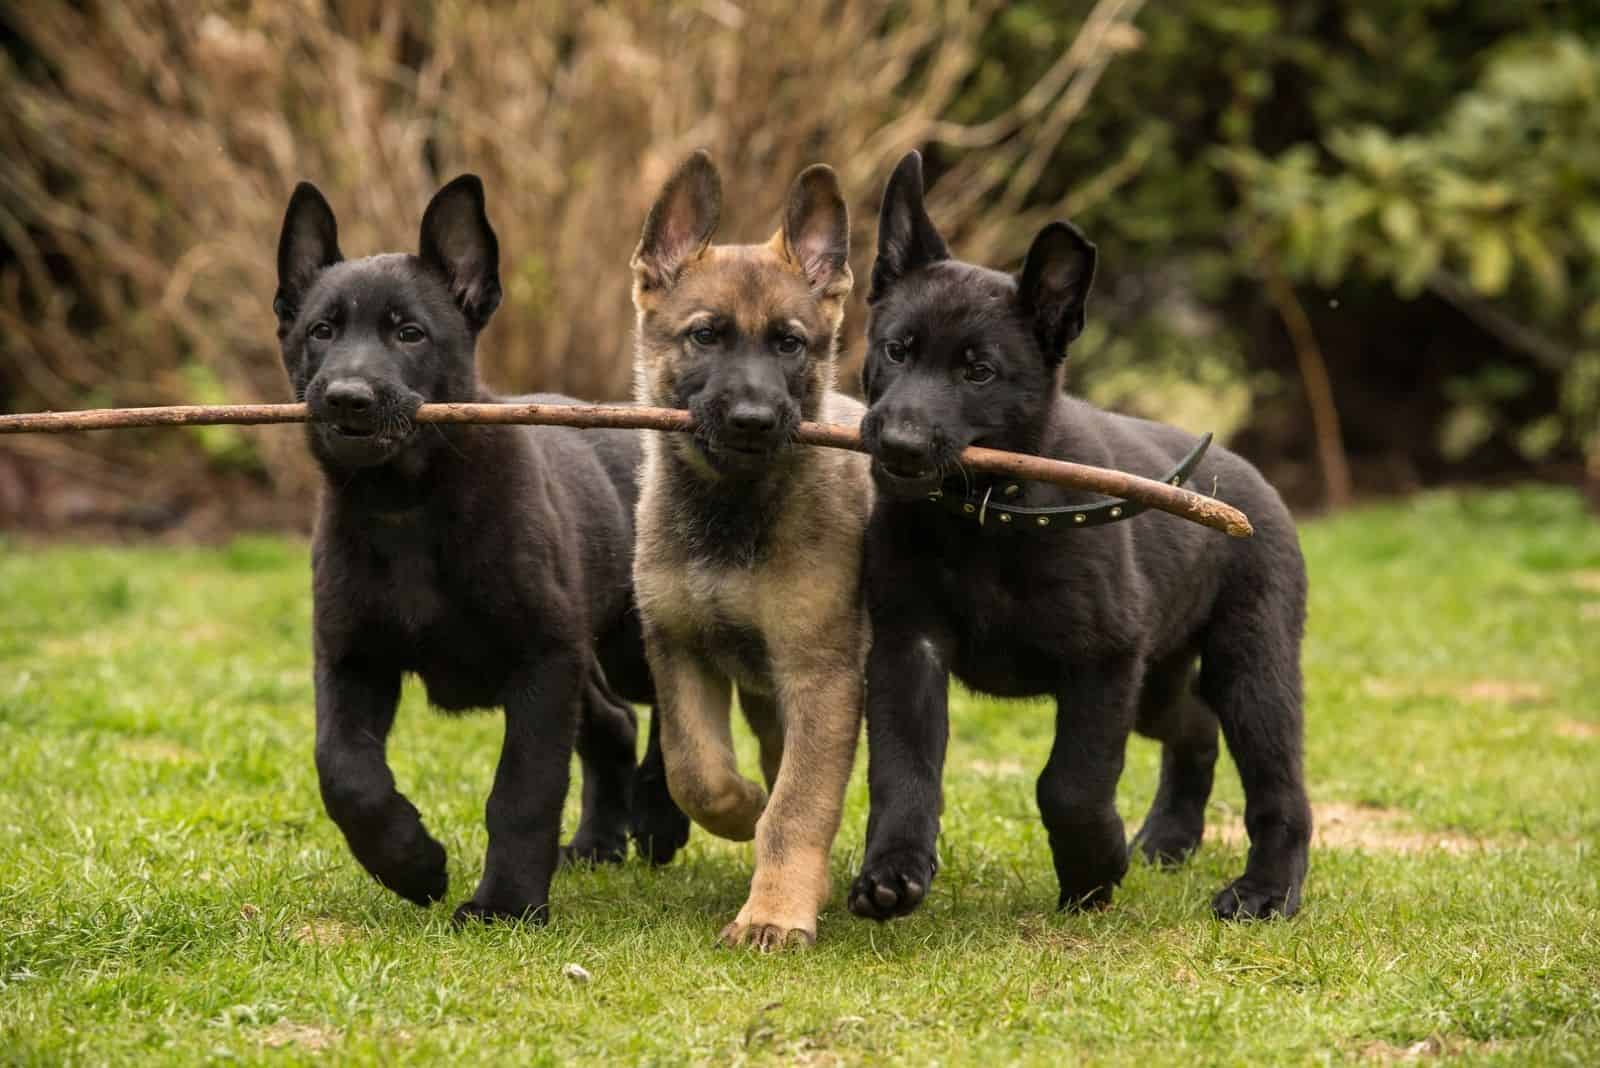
x: 1588, y: 581
x: 1341, y: 825
x: 1573, y: 728
x: 996, y: 769
x: 1038, y: 931
x: 302, y: 1036
x: 1380, y: 1052
x: 157, y: 751
x: 1485, y: 691
x: 326, y: 931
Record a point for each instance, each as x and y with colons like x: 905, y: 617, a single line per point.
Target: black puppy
x: 493, y: 562
x: 1018, y: 595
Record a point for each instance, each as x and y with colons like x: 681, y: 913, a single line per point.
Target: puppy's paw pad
x: 766, y: 937
x: 884, y: 891
x: 1242, y: 900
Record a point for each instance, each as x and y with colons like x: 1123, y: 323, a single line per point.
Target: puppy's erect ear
x: 308, y: 242
x: 1054, y: 285
x: 458, y: 241
x: 816, y: 231
x: 680, y: 223
x: 907, y: 238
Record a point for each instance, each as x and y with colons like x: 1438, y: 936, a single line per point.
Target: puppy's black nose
x: 348, y: 396
x: 905, y: 446
x: 751, y: 417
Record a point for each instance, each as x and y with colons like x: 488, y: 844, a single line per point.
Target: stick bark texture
x: 1186, y: 504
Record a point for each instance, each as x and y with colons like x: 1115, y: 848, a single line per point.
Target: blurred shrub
x: 1496, y: 208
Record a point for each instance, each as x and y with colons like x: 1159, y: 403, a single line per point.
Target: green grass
x: 171, y: 891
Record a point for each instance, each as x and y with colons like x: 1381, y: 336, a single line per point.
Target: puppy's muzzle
x: 349, y: 405
x: 905, y: 450
x: 905, y: 454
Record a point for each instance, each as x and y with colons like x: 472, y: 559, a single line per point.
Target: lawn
x: 171, y: 891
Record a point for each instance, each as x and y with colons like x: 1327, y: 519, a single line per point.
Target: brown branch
x: 1318, y: 386
x: 1207, y: 511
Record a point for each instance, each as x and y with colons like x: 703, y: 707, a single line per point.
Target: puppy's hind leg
x: 658, y: 826
x: 606, y: 745
x: 1173, y: 714
x: 1250, y: 675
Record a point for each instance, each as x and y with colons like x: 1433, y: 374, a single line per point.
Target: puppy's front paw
x: 416, y: 870
x: 1243, y: 899
x: 892, y: 886
x: 774, y: 920
x: 767, y: 937
x: 475, y: 911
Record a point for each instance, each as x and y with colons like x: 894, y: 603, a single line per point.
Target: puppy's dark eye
x: 790, y: 345
x: 978, y: 373
x: 321, y: 330
x: 703, y: 336
x: 410, y: 334
x: 894, y: 350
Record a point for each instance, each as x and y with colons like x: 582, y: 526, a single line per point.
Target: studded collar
x: 992, y: 504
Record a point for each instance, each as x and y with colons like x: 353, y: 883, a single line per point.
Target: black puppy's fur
x: 493, y: 562
x: 1109, y: 621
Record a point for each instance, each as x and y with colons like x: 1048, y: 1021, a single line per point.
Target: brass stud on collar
x: 969, y: 508
x: 1080, y: 518
x: 1012, y: 490
x: 1116, y: 513
x: 1005, y: 517
x: 1177, y: 480
x: 1044, y: 521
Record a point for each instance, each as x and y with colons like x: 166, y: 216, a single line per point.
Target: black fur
x: 492, y: 562
x: 1155, y: 624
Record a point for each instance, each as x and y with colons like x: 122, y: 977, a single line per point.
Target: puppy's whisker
x: 966, y: 477
x: 442, y: 436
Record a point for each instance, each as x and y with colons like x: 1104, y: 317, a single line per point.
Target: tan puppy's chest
x: 711, y: 610
x: 800, y: 603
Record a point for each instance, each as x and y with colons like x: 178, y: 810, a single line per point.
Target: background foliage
x: 1409, y: 186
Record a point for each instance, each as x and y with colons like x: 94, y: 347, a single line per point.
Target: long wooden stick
x: 1207, y: 511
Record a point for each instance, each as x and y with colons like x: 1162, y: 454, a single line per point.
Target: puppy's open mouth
x: 906, y: 482
x: 906, y: 474
x: 357, y: 432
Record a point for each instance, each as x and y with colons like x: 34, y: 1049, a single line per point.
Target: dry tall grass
x: 149, y: 147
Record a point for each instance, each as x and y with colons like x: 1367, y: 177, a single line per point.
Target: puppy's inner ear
x: 816, y: 231
x: 458, y: 241
x: 1053, y: 287
x: 907, y: 238
x: 308, y: 243
x: 680, y: 223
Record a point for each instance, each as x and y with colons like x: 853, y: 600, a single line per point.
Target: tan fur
x: 802, y: 596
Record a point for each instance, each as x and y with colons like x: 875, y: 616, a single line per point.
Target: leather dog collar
x: 983, y: 507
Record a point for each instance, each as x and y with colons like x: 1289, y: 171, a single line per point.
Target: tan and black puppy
x: 749, y: 546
